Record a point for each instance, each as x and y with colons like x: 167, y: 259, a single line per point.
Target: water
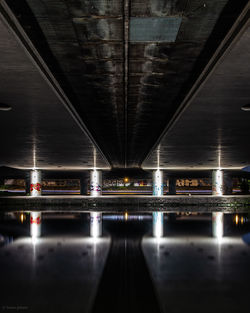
x: 126, y: 270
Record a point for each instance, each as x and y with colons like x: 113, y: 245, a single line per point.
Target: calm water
x: 126, y: 270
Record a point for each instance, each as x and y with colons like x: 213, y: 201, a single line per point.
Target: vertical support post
x: 217, y: 183
x: 217, y: 217
x: 83, y: 185
x: 157, y: 217
x: 95, y: 191
x: 95, y: 183
x: 172, y: 186
x: 35, y: 183
x: 35, y: 224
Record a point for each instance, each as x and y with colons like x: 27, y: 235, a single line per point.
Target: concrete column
x: 172, y: 186
x: 157, y: 183
x: 217, y: 183
x: 217, y: 224
x: 95, y: 183
x: 157, y: 217
x: 35, y: 183
x: 95, y: 191
x: 217, y: 217
x: 83, y: 186
x: 35, y: 224
x: 95, y: 224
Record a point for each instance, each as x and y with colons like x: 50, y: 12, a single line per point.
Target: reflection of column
x: 217, y: 190
x: 35, y: 183
x: 95, y: 224
x: 95, y: 183
x: 95, y: 191
x: 217, y: 183
x: 157, y: 216
x: 217, y: 224
x: 157, y: 224
x: 35, y: 224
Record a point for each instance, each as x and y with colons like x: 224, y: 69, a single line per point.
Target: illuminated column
x: 217, y: 224
x: 35, y: 183
x: 157, y: 191
x: 35, y: 224
x: 95, y: 224
x: 217, y: 190
x: 95, y: 191
x: 95, y: 183
x: 217, y: 183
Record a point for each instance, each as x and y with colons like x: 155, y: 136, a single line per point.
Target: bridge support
x: 172, y: 186
x: 95, y: 191
x: 35, y: 183
x: 217, y: 217
x: 35, y: 224
x: 157, y: 217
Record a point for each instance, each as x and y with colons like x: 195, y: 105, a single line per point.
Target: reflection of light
x: 236, y: 219
x: 217, y: 220
x: 95, y: 224
x: 157, y: 224
x: 242, y: 220
x: 34, y: 240
x: 126, y: 216
x: 22, y: 218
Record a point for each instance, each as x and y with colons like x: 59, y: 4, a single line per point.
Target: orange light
x: 126, y: 179
x: 126, y: 216
x: 236, y: 219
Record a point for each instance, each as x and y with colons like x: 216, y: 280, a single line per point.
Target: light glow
x: 35, y: 224
x: 157, y: 224
x: 217, y: 183
x: 95, y: 224
x: 217, y: 224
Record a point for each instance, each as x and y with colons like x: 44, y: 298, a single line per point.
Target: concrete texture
x: 207, y: 204
x: 55, y: 274
x: 199, y: 274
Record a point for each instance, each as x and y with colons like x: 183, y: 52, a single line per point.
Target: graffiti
x: 35, y: 220
x: 35, y: 187
x: 95, y: 187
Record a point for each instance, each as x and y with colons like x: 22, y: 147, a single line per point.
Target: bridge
x: 160, y: 88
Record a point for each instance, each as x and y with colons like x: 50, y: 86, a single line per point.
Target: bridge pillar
x: 95, y: 183
x: 172, y: 186
x: 95, y: 191
x: 217, y: 183
x: 157, y: 217
x: 217, y: 217
x: 35, y: 224
x: 35, y: 183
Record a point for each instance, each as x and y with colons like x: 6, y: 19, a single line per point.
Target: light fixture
x: 245, y: 107
x: 5, y: 107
